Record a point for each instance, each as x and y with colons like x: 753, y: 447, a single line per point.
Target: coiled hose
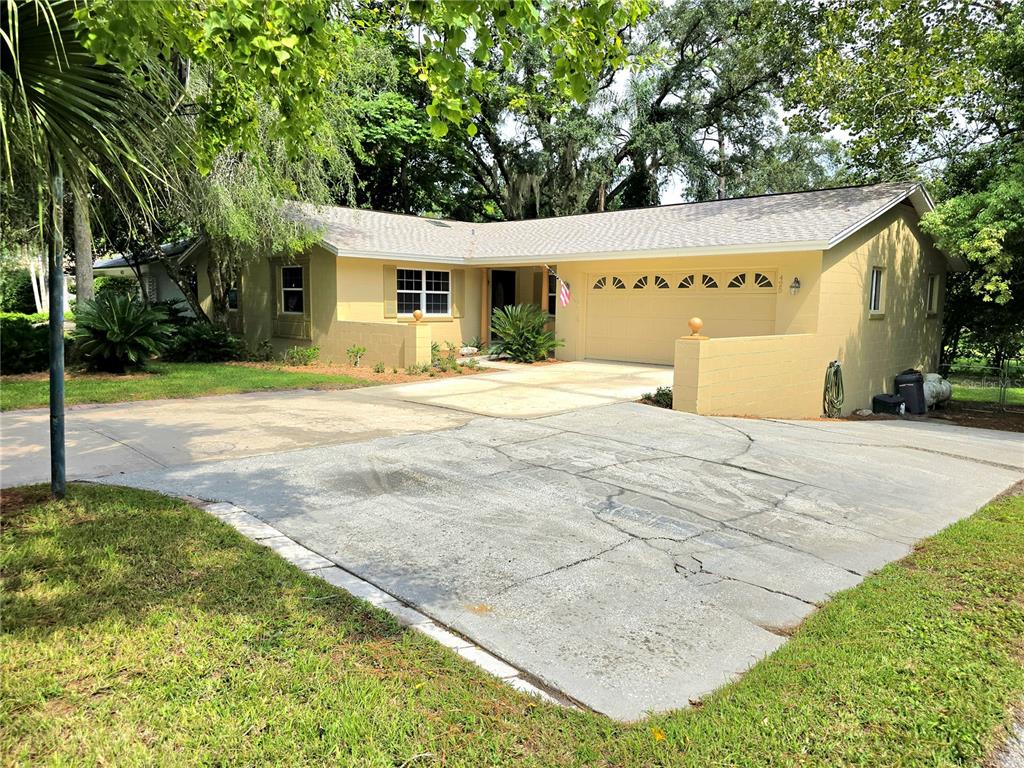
x: 832, y: 400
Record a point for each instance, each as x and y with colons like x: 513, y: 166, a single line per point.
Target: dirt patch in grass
x: 15, y: 500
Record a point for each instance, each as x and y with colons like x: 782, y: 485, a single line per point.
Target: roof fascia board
x: 922, y: 203
x: 859, y: 225
x: 533, y: 259
x: 392, y: 256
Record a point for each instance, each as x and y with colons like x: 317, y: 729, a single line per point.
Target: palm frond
x: 91, y: 118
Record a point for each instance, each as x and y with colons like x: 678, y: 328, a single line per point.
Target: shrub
x: 25, y: 342
x: 302, y: 355
x: 355, y: 354
x: 378, y: 368
x: 474, y: 342
x: 203, y: 343
x: 114, y: 285
x: 16, y: 290
x: 522, y: 333
x: 446, y: 364
x: 661, y: 397
x: 263, y: 353
x: 176, y: 310
x: 117, y: 333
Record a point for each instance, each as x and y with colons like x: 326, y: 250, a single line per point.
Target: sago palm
x: 117, y: 333
x: 522, y: 333
x: 62, y: 113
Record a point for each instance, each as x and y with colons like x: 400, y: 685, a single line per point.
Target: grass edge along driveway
x: 167, y: 380
x: 139, y: 630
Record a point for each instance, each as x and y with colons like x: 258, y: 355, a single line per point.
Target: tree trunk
x: 83, y: 246
x: 33, y: 273
x: 134, y: 263
x: 218, y: 292
x: 721, y: 164
x: 180, y: 279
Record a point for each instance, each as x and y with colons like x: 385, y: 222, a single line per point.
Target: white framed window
x: 428, y: 290
x: 932, y: 301
x: 293, y: 295
x: 233, y: 297
x: 875, y: 295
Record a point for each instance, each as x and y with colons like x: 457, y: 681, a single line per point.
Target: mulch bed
x: 962, y: 415
x: 366, y: 372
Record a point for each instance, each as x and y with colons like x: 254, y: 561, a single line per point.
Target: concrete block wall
x: 764, y: 376
x: 396, y: 345
x: 874, y: 347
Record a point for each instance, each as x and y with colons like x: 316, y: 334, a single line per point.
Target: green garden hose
x: 832, y: 401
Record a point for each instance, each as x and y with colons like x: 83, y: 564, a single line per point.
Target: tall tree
x: 700, y: 102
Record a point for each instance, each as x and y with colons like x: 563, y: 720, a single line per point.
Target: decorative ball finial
x: 695, y: 325
x: 417, y: 315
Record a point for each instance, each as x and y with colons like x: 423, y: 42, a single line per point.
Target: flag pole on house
x: 564, y: 294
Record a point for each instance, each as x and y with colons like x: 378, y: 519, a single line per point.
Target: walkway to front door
x: 530, y: 391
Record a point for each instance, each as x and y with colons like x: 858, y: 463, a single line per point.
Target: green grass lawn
x: 972, y: 394
x: 165, y: 380
x: 139, y: 631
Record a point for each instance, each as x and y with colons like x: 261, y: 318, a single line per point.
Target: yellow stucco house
x: 784, y: 283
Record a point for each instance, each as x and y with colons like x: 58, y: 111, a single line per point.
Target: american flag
x: 563, y: 293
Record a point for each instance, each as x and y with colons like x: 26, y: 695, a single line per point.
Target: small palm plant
x: 521, y: 333
x: 118, y: 333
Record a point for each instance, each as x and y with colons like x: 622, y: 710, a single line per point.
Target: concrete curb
x: 316, y: 565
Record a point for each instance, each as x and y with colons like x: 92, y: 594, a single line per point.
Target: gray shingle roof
x: 174, y: 248
x: 814, y: 220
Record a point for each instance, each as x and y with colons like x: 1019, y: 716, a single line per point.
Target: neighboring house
x: 159, y: 285
x: 813, y: 276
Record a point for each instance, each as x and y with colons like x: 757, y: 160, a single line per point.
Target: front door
x: 502, y: 293
x: 503, y: 288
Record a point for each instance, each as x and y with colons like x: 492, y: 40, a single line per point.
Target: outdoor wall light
x: 794, y: 287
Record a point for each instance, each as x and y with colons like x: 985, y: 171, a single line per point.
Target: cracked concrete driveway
x: 632, y: 558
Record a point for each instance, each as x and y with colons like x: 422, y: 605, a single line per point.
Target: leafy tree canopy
x: 911, y: 82
x: 935, y: 88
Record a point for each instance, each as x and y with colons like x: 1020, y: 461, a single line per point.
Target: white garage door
x: 637, y: 317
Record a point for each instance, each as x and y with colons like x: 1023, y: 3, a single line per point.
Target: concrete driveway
x: 162, y: 433
x: 632, y: 558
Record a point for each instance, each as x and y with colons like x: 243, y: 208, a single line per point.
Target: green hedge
x: 24, y: 346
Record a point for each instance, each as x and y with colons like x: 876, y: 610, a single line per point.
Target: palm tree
x: 67, y: 116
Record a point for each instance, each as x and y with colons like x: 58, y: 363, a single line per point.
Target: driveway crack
x: 715, y: 523
x: 685, y: 571
x: 564, y: 567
